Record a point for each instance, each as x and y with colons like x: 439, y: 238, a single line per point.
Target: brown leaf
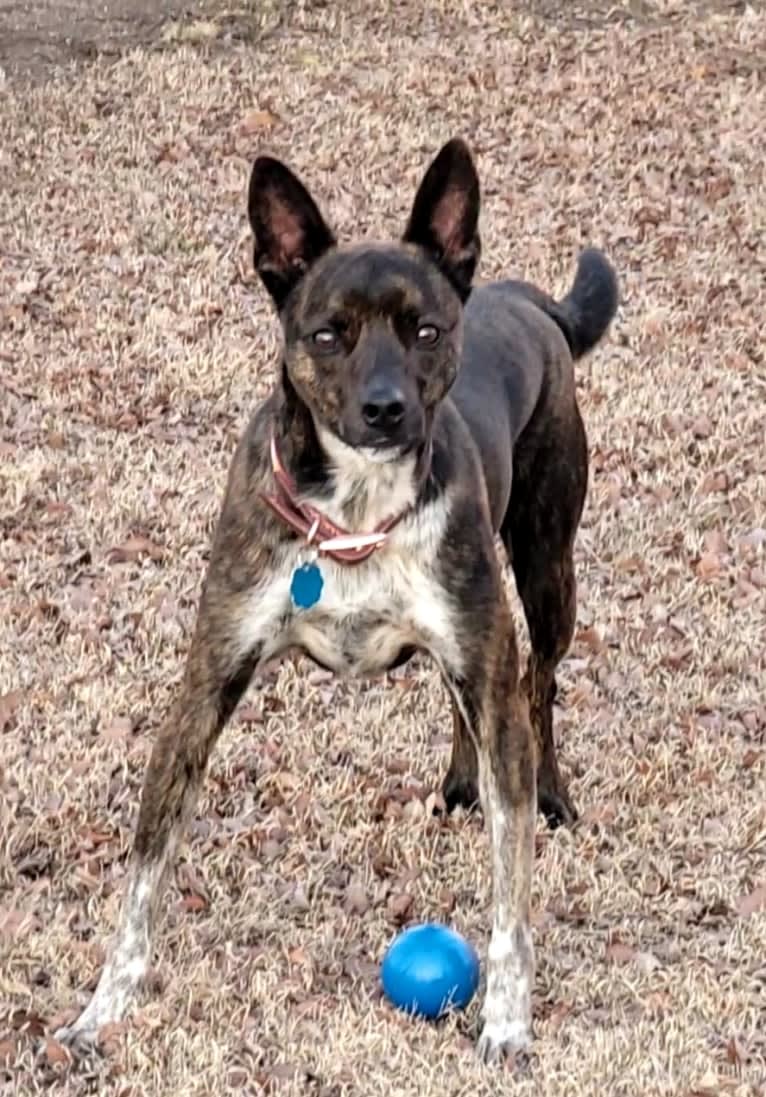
x: 709, y: 565
x: 714, y: 482
x: 447, y: 900
x: 735, y: 1053
x: 133, y: 548
x: 619, y: 953
x: 56, y: 1053
x: 591, y: 639
x: 285, y: 781
x: 715, y: 541
x: 299, y: 956
x: 193, y: 904
x: 559, y: 1014
x: 751, y: 903
x: 9, y: 702
x: 601, y: 813
x: 109, y: 1037
x: 91, y: 838
x: 356, y: 899
x: 657, y: 1003
x: 11, y: 921
x: 7, y: 1052
x: 28, y: 1022
x: 256, y: 121
x: 398, y: 906
x: 702, y: 426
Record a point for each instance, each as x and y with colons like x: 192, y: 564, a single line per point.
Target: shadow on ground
x: 38, y: 35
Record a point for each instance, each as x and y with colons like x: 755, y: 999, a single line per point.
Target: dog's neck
x: 367, y: 487
x: 357, y: 489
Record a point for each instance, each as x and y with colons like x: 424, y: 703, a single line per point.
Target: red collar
x: 328, y: 538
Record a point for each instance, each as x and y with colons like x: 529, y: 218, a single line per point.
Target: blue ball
x: 429, y: 970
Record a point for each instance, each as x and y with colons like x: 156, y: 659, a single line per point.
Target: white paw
x: 503, y: 1039
x: 81, y: 1039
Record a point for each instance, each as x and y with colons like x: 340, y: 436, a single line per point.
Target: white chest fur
x: 366, y: 612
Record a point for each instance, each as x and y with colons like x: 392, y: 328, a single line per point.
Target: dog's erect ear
x: 290, y: 232
x: 445, y: 215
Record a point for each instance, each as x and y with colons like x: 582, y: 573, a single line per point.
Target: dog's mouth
x: 386, y: 453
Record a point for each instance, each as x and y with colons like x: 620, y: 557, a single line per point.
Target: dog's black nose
x: 383, y: 407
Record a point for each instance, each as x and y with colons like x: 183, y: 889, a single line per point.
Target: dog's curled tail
x: 589, y: 307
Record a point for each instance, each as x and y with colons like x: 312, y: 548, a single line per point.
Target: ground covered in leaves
x: 135, y: 342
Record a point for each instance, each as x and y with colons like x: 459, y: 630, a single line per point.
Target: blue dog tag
x: 306, y: 586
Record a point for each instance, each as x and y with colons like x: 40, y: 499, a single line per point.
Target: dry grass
x: 135, y: 343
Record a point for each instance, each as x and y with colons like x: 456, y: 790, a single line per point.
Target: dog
x: 415, y: 418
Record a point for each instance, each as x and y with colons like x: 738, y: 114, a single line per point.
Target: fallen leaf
x: 715, y: 541
x: 193, y: 904
x: 57, y: 1054
x: 9, y: 702
x: 657, y: 1003
x: 356, y: 901
x: 714, y: 482
x: 133, y: 548
x: 28, y: 1022
x: 255, y: 121
x: 702, y: 426
x: 7, y: 1052
x: 708, y: 565
x: 619, y: 953
x: 398, y: 906
x: 109, y: 1037
x: 558, y: 1015
x: 752, y: 902
x: 735, y: 1053
x: 591, y: 639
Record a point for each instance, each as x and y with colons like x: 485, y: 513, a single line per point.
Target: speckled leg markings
x: 217, y: 674
x: 507, y: 1011
x: 495, y: 715
x: 127, y: 964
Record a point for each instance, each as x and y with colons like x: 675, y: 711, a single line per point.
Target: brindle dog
x: 413, y: 420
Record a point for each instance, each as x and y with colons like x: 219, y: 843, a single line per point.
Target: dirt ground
x: 134, y: 342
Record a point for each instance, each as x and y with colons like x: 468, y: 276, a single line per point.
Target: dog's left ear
x: 290, y: 232
x: 445, y: 215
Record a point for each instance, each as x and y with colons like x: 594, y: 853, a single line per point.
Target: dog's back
x: 519, y: 346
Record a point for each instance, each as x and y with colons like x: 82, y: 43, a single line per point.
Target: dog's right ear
x: 290, y: 232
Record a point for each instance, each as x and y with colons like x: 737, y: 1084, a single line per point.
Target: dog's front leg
x: 217, y: 672
x: 495, y: 711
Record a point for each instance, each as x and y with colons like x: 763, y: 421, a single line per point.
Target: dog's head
x: 372, y: 332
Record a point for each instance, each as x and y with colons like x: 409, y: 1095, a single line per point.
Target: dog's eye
x: 325, y: 339
x: 428, y: 335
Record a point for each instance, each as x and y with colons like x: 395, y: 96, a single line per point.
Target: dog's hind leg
x: 461, y: 784
x: 538, y: 531
x: 216, y: 675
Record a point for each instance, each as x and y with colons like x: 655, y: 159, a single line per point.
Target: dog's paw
x: 557, y: 807
x: 460, y: 792
x: 502, y: 1040
x: 81, y: 1038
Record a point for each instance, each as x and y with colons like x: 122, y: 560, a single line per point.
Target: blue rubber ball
x: 429, y: 970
